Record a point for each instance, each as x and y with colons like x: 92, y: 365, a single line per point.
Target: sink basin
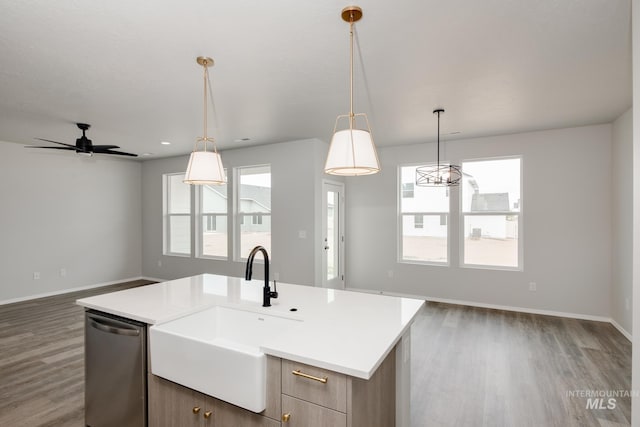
x: 217, y: 352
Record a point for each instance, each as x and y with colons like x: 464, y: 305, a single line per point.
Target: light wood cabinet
x: 301, y: 413
x: 313, y: 396
x: 297, y: 394
x: 171, y: 405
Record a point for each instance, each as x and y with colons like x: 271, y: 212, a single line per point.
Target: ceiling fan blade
x: 104, y: 147
x: 119, y: 153
x: 61, y: 143
x: 53, y: 148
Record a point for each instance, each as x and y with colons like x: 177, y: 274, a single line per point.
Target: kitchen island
x: 359, y: 341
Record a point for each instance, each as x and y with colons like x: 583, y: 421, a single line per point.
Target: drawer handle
x: 285, y: 417
x: 207, y: 414
x: 311, y: 377
x: 196, y: 409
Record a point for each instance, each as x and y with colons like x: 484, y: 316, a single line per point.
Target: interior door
x: 333, y: 235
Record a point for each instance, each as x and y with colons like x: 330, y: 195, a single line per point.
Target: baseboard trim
x: 580, y: 316
x: 622, y: 330
x: 523, y: 309
x: 70, y: 290
x: 153, y: 279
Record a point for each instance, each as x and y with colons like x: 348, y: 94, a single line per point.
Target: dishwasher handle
x: 105, y: 326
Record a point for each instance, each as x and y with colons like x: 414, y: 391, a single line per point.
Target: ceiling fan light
x: 205, y: 167
x: 352, y: 153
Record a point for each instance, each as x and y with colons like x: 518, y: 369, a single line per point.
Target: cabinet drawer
x: 303, y: 381
x: 305, y: 414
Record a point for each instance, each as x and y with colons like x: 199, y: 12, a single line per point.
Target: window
x: 253, y: 209
x: 177, y: 215
x: 491, y: 213
x: 424, y: 213
x: 213, y: 213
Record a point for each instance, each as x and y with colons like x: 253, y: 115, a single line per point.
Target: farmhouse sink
x: 217, y: 352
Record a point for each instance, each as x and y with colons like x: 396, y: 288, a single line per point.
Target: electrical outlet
x: 36, y: 275
x: 390, y: 273
x: 533, y: 286
x: 159, y: 263
x: 302, y: 234
x: 63, y: 272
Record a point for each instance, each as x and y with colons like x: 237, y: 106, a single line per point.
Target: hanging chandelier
x: 440, y: 174
x: 205, y: 167
x: 352, y: 151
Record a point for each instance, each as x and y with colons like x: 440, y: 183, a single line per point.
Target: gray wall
x: 60, y: 210
x: 566, y: 225
x: 622, y: 220
x: 296, y: 169
x: 635, y: 371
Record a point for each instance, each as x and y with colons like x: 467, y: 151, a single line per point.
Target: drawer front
x: 319, y: 386
x: 298, y: 413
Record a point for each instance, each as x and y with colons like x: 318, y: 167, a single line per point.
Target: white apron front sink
x: 217, y: 352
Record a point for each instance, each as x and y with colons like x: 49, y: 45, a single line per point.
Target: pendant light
x: 352, y: 151
x: 205, y: 167
x: 440, y: 174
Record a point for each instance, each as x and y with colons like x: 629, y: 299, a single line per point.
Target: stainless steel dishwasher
x: 115, y: 371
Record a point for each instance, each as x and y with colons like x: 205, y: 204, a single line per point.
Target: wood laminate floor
x: 470, y: 366
x: 42, y: 360
x: 480, y: 367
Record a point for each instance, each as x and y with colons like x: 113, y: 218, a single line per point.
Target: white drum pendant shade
x: 205, y: 167
x: 352, y: 153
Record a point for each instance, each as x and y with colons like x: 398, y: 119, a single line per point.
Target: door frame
x: 338, y: 283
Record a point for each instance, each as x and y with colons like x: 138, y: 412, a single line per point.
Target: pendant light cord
x: 438, y: 112
x: 351, y: 116
x: 206, y: 77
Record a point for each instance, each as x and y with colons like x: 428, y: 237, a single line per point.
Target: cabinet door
x: 320, y: 386
x: 171, y: 405
x: 229, y: 415
x: 299, y: 413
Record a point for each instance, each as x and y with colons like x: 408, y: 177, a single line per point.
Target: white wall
x: 622, y: 220
x: 566, y: 225
x: 296, y: 169
x: 61, y: 210
x: 635, y: 369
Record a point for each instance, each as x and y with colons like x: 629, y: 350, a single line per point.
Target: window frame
x: 166, y: 218
x: 519, y: 214
x: 238, y: 215
x: 199, y: 216
x: 400, y: 195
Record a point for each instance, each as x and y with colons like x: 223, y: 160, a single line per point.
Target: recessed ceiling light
x: 242, y: 139
x: 146, y: 154
x: 165, y: 143
x: 454, y: 133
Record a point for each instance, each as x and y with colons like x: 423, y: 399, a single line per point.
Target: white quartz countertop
x: 344, y: 331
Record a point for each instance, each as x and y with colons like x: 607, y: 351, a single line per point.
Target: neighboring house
x: 434, y: 225
x: 256, y: 206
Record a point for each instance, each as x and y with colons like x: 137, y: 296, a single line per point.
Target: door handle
x: 101, y: 326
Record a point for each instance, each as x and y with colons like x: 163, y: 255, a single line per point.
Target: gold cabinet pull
x: 196, y: 409
x: 311, y: 377
x: 207, y: 414
x: 285, y: 417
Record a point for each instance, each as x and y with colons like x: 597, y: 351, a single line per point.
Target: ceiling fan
x: 84, y: 145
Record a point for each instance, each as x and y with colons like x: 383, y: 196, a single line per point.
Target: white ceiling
x: 128, y: 68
